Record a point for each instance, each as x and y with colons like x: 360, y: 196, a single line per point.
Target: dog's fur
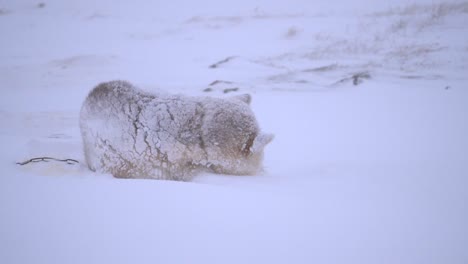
x: 135, y: 134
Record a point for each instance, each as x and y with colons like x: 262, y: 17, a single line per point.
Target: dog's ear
x: 246, y: 98
x: 260, y: 142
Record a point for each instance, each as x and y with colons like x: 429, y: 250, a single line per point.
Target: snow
x: 367, y: 173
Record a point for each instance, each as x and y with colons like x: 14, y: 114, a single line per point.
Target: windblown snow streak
x: 134, y: 134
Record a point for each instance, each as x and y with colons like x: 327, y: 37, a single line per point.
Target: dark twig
x: 47, y: 159
x: 216, y: 65
x: 355, y: 78
x: 219, y: 82
x: 228, y: 90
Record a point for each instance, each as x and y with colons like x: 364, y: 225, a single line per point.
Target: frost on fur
x: 135, y: 134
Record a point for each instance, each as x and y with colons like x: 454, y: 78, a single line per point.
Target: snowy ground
x: 368, y: 173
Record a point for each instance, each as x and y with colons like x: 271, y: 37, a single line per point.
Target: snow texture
x: 134, y: 134
x: 368, y: 101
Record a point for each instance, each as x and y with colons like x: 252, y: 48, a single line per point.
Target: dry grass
x: 408, y: 52
x: 343, y: 47
x: 325, y: 68
x: 414, y: 56
x: 435, y: 11
x: 399, y: 25
x: 421, y: 16
x: 4, y: 12
x: 291, y: 33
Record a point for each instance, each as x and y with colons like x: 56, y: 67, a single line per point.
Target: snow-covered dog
x: 135, y: 134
